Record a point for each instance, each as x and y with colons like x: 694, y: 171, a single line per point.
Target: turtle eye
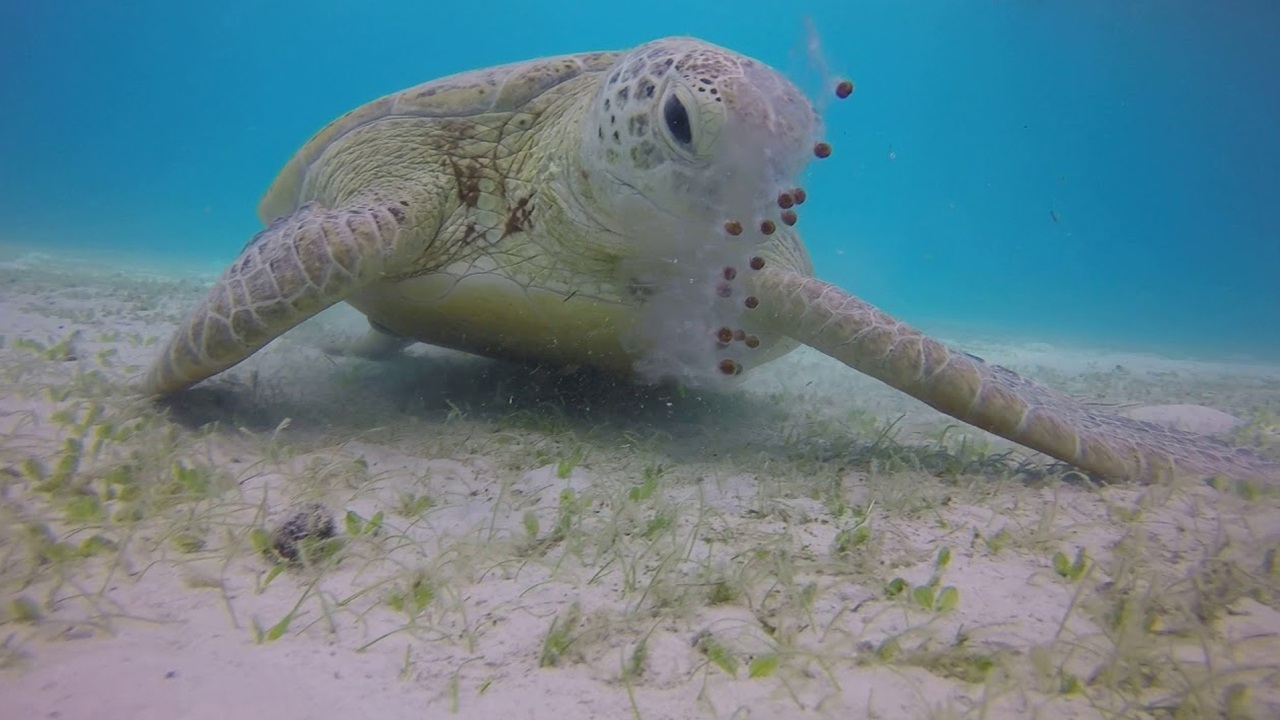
x: 677, y: 119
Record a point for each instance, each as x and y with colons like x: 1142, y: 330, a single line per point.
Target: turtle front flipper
x: 299, y: 265
x: 988, y: 396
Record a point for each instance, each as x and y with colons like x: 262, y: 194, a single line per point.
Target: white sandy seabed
x: 521, y: 544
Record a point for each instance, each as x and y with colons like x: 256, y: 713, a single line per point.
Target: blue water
x: 1097, y: 170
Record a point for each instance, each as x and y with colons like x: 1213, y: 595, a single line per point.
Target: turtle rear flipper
x: 299, y: 265
x: 378, y: 343
x: 988, y: 396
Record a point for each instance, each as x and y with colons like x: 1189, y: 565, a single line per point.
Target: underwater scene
x: 840, y: 359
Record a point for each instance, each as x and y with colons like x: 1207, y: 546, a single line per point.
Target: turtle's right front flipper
x: 299, y: 265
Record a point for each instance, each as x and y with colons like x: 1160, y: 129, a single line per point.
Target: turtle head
x: 697, y: 132
x: 689, y: 153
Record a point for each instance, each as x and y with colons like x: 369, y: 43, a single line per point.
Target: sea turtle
x: 630, y: 211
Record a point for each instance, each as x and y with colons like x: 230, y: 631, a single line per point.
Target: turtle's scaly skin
x: 989, y: 396
x: 620, y: 210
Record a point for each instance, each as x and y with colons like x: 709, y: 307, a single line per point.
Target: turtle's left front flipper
x: 299, y: 265
x: 988, y: 396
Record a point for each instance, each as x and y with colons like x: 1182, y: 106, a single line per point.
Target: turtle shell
x: 499, y: 89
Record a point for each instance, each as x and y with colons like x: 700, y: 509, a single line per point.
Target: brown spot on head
x: 752, y: 342
x: 789, y: 217
x: 724, y: 335
x: 724, y: 290
x: 739, y: 335
x: 729, y: 366
x: 751, y: 302
x: 844, y: 89
x: 757, y: 263
x: 638, y: 125
x: 646, y: 155
x: 786, y: 200
x: 800, y: 195
x: 822, y: 150
x: 733, y: 227
x: 730, y: 273
x: 767, y: 227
